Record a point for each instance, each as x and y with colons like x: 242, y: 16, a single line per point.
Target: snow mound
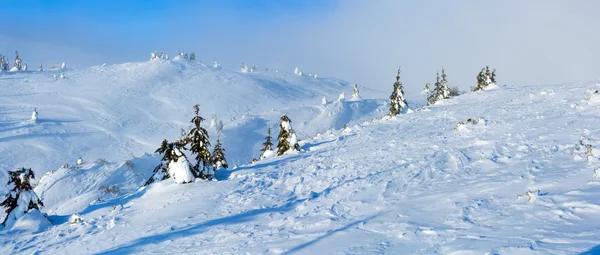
x: 33, y: 221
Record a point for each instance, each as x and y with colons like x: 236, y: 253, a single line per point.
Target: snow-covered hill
x: 417, y: 183
x: 119, y: 111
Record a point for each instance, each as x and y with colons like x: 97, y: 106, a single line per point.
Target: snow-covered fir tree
x: 34, y: 115
x: 193, y: 57
x: 341, y: 97
x: 254, y: 68
x: 440, y: 89
x: 63, y: 66
x: 18, y: 62
x: 24, y: 67
x: 21, y: 198
x: 324, y: 100
x: 397, y: 101
x: 485, y: 78
x: 153, y: 55
x: 426, y: 88
x: 355, y: 94
x: 267, y: 150
x: 79, y: 161
x: 218, y: 156
x: 41, y: 68
x: 244, y: 68
x: 197, y: 138
x: 161, y: 172
x: 287, y: 137
x: 174, y: 165
x: 3, y: 63
x: 217, y: 65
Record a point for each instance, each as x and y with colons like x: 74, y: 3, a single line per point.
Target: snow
x: 407, y: 184
x: 33, y: 222
x: 179, y: 170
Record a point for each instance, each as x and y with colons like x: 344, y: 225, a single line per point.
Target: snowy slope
x: 119, y: 111
x: 408, y: 185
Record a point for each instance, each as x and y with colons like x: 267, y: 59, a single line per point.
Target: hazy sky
x: 361, y: 41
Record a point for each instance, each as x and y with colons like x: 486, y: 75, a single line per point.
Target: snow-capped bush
x: 217, y: 65
x: 341, y: 97
x: 324, y: 100
x: 63, y: 67
x: 180, y: 169
x: 473, y: 121
x: 79, y: 161
x: 21, y: 198
x: 244, y: 68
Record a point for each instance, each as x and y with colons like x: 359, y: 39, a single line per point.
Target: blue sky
x: 529, y: 42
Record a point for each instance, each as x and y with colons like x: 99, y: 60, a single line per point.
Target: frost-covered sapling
x: 21, y: 198
x: 287, y: 138
x: 218, y: 156
x: 63, y: 66
x: 267, y: 150
x: 397, y: 101
x: 324, y: 100
x: 193, y: 57
x: 41, y: 68
x: 341, y: 97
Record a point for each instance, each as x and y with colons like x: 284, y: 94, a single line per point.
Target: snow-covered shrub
x: 454, y: 91
x: 397, y: 101
x: 111, y: 189
x: 63, y: 67
x: 193, y: 57
x: 21, y: 198
x: 583, y: 150
x: 472, y: 121
x: 341, y: 97
x: 100, y: 161
x: 217, y: 65
x: 287, y: 138
x: 41, y: 68
x: 79, y: 161
x: 3, y: 63
x: 75, y: 218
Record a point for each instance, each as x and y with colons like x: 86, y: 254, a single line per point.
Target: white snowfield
x: 516, y: 180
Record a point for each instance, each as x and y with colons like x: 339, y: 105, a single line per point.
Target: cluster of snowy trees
x: 176, y: 165
x: 162, y: 55
x: 440, y: 90
x: 286, y: 140
x: 485, y: 79
x: 18, y: 65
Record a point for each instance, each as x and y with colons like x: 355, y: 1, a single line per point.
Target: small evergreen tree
x: 426, y: 88
x: 287, y: 137
x: 18, y: 62
x: 193, y: 57
x: 197, y: 138
x: 174, y: 165
x: 355, y: 93
x: 41, y: 67
x: 244, y: 68
x: 267, y: 149
x: 3, y: 63
x: 397, y: 101
x: 493, y: 77
x: 21, y: 198
x: 218, y: 156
